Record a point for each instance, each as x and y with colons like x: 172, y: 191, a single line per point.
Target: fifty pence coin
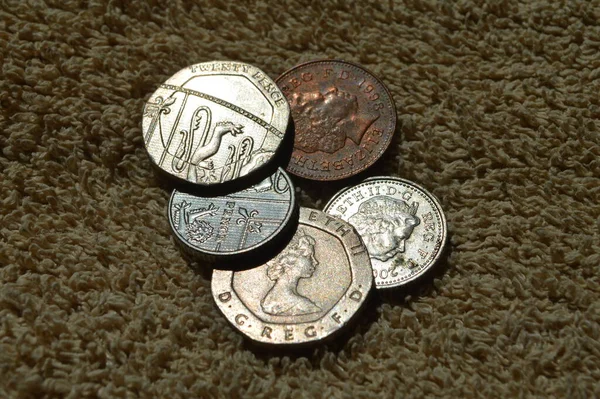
x: 214, y: 122
x: 306, y: 292
x: 344, y: 118
x: 402, y: 225
x: 234, y: 224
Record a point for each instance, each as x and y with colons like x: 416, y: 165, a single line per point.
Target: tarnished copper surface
x: 344, y: 118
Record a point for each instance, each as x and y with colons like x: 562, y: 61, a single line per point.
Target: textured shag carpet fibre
x: 498, y: 116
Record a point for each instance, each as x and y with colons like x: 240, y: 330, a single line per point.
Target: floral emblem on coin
x: 296, y: 262
x: 161, y: 106
x: 199, y: 231
x: 385, y: 224
x: 248, y: 218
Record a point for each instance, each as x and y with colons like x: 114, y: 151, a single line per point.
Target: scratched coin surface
x: 234, y: 224
x: 306, y: 292
x: 214, y: 122
x: 402, y: 225
x: 344, y: 118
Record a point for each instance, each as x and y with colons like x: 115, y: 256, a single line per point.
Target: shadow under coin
x: 314, y: 351
x: 281, y: 157
x: 203, y: 265
x: 322, y: 190
x: 420, y: 287
x: 325, y: 190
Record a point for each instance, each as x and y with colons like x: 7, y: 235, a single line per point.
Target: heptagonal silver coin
x: 228, y: 226
x: 215, y: 122
x: 306, y: 292
x: 402, y: 225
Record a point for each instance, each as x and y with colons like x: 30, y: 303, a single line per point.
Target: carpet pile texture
x: 498, y: 116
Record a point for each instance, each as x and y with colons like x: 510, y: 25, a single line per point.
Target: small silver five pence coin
x: 306, y: 292
x: 402, y: 225
x: 236, y: 224
x: 215, y: 122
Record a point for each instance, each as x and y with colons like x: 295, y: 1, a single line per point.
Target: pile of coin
x: 284, y: 274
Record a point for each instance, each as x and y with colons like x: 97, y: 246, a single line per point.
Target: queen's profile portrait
x: 326, y: 119
x: 295, y: 262
x: 385, y: 224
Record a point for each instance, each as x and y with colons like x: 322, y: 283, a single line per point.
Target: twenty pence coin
x: 344, y: 118
x: 402, y: 225
x: 308, y: 291
x: 214, y: 122
x: 227, y: 226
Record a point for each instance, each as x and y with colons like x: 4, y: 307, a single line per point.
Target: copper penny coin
x: 233, y: 225
x: 402, y: 225
x: 215, y: 122
x: 306, y: 292
x: 344, y: 118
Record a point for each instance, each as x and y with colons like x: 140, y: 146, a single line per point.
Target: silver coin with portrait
x: 402, y: 225
x: 214, y: 122
x: 306, y: 292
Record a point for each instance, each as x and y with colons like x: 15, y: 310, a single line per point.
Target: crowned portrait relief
x: 385, y: 224
x: 327, y: 119
x: 297, y: 261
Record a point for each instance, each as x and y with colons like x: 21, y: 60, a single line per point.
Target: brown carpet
x: 498, y: 116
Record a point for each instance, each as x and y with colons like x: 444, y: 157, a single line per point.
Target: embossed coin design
x: 344, y: 118
x: 214, y: 122
x: 308, y: 291
x: 233, y: 224
x: 402, y: 225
